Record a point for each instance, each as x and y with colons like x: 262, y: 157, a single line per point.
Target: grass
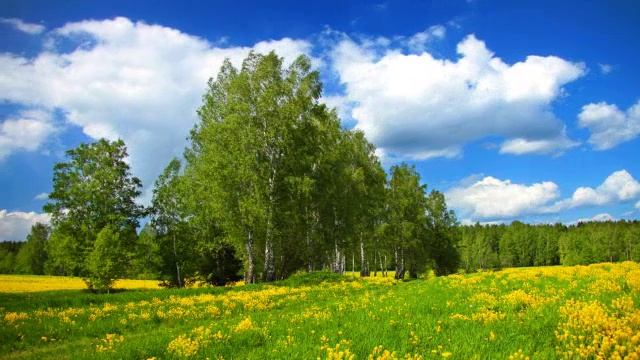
x: 541, y: 313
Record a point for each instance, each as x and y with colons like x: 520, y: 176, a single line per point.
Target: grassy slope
x: 479, y: 316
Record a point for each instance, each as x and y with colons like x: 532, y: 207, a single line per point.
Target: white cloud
x: 25, y: 27
x: 15, y: 226
x: 415, y: 106
x: 26, y: 131
x: 492, y: 198
x: 127, y: 79
x: 638, y: 205
x: 554, y: 146
x: 41, y: 196
x: 605, y: 68
x: 609, y: 125
x: 618, y: 187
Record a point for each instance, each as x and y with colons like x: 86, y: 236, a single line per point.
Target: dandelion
x: 244, y: 325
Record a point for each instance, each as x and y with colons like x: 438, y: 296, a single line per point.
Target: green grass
x: 307, y: 315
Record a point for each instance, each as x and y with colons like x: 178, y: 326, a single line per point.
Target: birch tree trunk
x: 175, y: 254
x: 250, y: 274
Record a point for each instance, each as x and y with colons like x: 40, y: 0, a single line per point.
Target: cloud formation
x: 25, y: 27
x: 416, y: 106
x: 15, y: 226
x: 491, y: 198
x: 618, y: 187
x: 24, y: 132
x: 121, y: 79
x: 610, y: 126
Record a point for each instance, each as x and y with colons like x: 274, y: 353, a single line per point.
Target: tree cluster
x: 270, y: 184
x: 271, y: 177
x: 519, y: 244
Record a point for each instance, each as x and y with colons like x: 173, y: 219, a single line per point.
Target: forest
x: 270, y: 185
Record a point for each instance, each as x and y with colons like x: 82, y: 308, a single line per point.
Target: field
x: 540, y: 313
x: 34, y: 283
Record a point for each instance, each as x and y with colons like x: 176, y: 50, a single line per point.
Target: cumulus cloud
x: 15, y: 226
x: 638, y: 205
x: 124, y: 79
x: 492, y: 198
x: 618, y: 187
x: 416, y: 106
x: 25, y: 27
x: 610, y: 126
x: 25, y: 131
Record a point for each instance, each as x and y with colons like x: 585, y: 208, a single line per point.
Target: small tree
x: 106, y: 262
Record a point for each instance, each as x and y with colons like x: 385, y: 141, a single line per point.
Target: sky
x: 515, y: 110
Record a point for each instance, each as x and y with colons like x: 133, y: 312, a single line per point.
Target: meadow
x: 589, y: 312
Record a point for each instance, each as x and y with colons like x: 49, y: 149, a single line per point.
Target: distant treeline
x: 519, y: 244
x: 8, y: 252
x: 479, y: 247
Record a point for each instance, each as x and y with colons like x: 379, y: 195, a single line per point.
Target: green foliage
x: 146, y: 261
x: 65, y: 258
x: 33, y: 255
x: 169, y: 224
x: 9, y: 250
x: 442, y: 226
x: 92, y: 191
x: 258, y: 153
x: 270, y: 172
x: 7, y: 259
x: 406, y: 220
x: 519, y: 244
x: 107, y: 260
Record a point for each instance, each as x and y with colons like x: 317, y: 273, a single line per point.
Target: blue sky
x: 516, y: 110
